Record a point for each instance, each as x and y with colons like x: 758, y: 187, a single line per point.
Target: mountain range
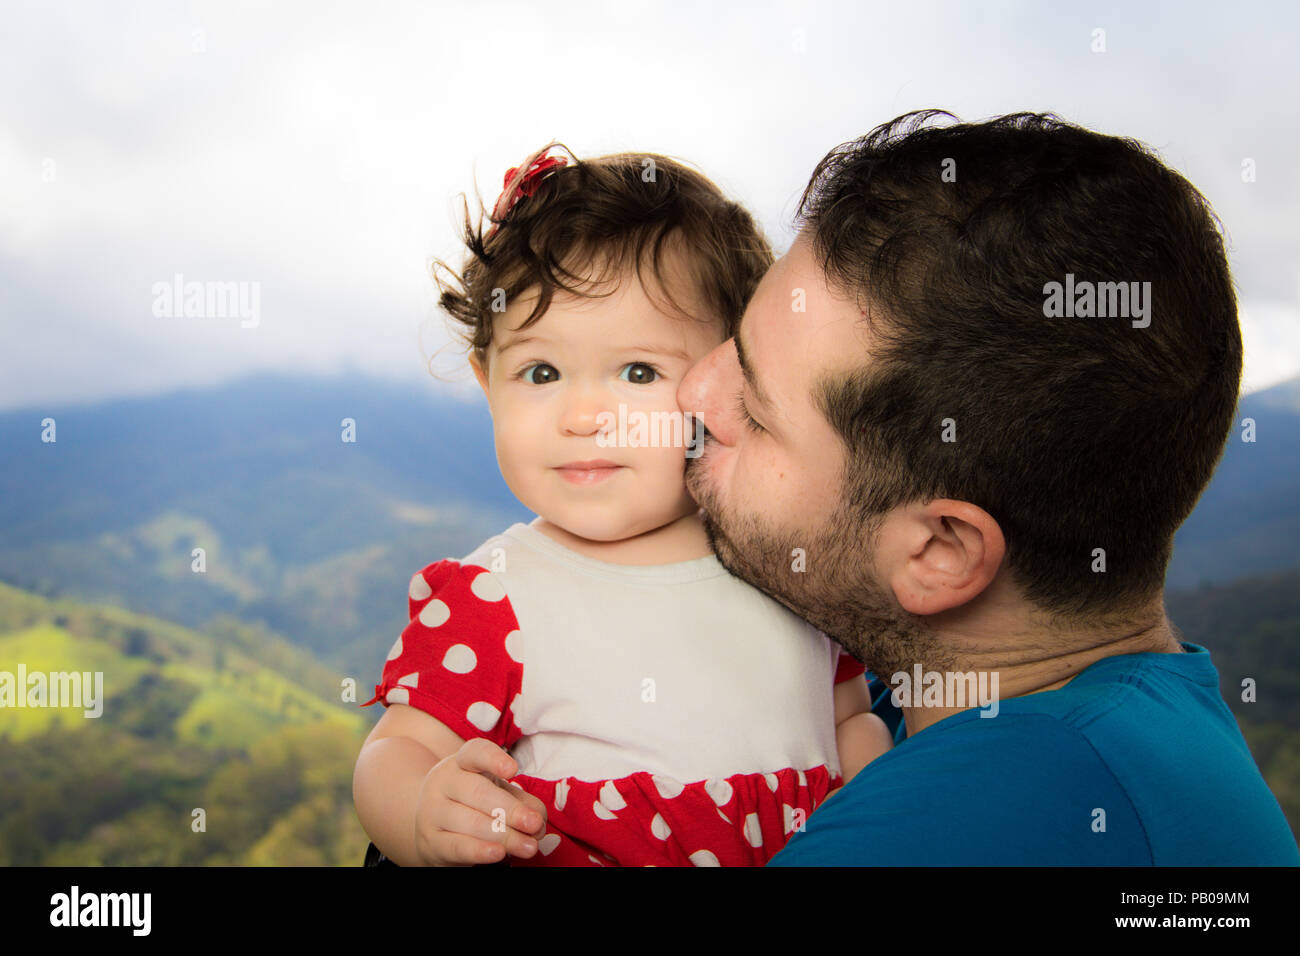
x: 311, y: 535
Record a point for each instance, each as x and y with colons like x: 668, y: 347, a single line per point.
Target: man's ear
x: 479, y: 372
x: 940, y: 555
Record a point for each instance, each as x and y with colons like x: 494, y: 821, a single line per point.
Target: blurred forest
x: 235, y: 723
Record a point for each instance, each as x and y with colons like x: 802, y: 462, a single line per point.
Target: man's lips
x: 588, y: 472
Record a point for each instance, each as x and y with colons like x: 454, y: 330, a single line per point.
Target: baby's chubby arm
x: 860, y: 736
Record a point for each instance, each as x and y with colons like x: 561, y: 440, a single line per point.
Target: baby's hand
x: 466, y: 813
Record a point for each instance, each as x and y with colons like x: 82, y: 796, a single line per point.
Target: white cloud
x: 1270, y: 333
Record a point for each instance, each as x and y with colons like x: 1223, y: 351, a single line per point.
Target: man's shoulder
x: 1137, y: 761
x: 1018, y: 788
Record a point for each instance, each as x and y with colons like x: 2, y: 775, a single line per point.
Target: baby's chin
x: 598, y: 532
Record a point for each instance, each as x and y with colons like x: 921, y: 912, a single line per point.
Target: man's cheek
x: 719, y: 465
x: 764, y: 480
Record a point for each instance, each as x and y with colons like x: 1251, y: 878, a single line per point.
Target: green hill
x: 235, y: 722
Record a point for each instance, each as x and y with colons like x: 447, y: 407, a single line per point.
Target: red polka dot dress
x: 668, y: 715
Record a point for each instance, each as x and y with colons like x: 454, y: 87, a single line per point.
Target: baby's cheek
x: 519, y: 458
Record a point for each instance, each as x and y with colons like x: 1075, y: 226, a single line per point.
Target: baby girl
x: 593, y: 688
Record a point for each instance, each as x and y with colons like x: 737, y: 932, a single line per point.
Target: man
x: 956, y: 431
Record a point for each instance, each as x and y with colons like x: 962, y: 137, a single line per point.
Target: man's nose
x: 710, y: 392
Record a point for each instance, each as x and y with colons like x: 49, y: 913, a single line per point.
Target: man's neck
x: 1029, y: 666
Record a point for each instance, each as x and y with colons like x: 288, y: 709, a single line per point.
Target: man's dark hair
x: 1073, y: 433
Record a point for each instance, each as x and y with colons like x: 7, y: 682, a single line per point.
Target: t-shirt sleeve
x: 847, y: 666
x: 460, y: 658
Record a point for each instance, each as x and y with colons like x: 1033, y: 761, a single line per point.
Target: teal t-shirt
x: 1137, y: 761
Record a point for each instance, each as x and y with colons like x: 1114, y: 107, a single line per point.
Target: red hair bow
x: 536, y: 168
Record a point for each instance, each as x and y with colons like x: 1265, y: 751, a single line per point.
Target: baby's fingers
x: 483, y: 756
x: 457, y: 820
x: 503, y: 807
x: 461, y: 849
x: 529, y: 802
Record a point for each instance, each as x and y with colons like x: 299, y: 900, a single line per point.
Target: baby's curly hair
x: 614, y: 214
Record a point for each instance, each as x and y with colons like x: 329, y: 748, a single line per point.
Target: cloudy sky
x: 317, y: 149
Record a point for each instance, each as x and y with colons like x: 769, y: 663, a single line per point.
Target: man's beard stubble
x: 835, y: 592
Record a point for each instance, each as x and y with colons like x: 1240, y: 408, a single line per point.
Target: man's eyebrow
x: 748, y: 372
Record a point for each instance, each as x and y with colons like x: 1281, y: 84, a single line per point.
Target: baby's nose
x: 584, y: 407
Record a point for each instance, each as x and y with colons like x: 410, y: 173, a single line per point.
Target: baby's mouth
x: 588, y: 472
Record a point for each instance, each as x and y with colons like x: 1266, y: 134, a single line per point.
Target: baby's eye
x: 645, y: 375
x: 551, y: 375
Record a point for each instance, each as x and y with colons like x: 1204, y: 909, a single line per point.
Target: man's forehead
x: 798, y: 333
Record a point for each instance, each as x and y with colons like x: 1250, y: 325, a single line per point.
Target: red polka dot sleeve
x: 847, y: 667
x: 460, y: 658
